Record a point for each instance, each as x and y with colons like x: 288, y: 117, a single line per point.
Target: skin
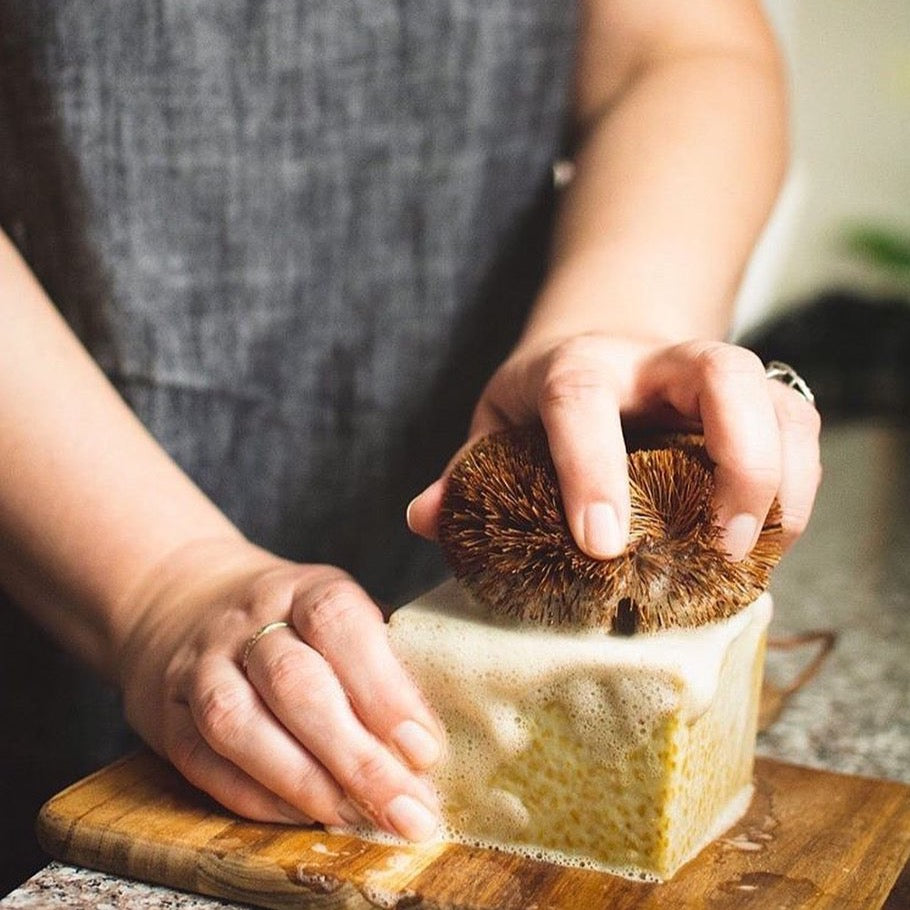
x: 684, y: 146
x: 109, y: 546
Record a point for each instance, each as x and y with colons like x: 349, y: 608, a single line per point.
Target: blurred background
x: 829, y: 286
x: 828, y: 291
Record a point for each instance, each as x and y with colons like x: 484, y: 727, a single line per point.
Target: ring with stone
x: 784, y: 373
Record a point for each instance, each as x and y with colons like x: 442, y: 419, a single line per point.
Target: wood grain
x: 811, y: 839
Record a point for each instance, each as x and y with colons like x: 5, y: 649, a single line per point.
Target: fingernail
x: 349, y: 813
x: 417, y: 744
x: 407, y: 511
x: 739, y: 536
x: 603, y: 538
x: 411, y: 819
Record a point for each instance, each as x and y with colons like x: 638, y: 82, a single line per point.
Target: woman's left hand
x: 762, y: 435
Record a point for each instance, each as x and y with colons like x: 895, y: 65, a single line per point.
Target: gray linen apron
x: 297, y: 235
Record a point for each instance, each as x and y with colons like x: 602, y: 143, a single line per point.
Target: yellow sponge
x: 626, y: 754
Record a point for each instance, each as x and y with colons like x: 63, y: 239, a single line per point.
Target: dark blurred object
x: 853, y: 350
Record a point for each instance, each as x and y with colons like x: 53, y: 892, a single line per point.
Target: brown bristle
x: 504, y: 534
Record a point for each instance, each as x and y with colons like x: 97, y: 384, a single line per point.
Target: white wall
x: 851, y: 120
x: 850, y: 78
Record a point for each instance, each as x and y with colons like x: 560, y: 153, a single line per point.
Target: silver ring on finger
x: 257, y: 637
x: 783, y: 372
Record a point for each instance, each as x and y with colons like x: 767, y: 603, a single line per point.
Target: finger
x: 234, y: 722
x: 579, y: 406
x: 346, y: 628
x: 724, y: 387
x: 305, y: 695
x: 203, y: 767
x: 799, y: 424
x: 422, y: 514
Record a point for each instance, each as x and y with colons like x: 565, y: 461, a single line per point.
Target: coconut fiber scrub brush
x: 504, y: 534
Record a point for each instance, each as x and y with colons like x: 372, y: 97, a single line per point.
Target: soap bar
x: 621, y: 753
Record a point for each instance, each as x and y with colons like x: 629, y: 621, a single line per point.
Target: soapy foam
x: 546, y: 724
x: 726, y: 819
x: 610, y: 687
x: 447, y: 834
x: 511, y: 657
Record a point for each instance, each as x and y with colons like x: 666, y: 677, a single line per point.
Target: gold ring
x: 257, y: 636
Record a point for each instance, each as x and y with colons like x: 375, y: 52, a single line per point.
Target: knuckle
x: 571, y: 383
x: 762, y: 476
x: 578, y: 347
x: 286, y: 674
x: 221, y: 712
x: 754, y: 462
x: 760, y: 468
x: 382, y: 706
x: 795, y: 520
x: 270, y: 594
x: 576, y: 369
x: 308, y: 784
x: 310, y: 793
x: 179, y: 673
x: 335, y: 602
x: 366, y: 775
x: 755, y: 478
x: 799, y: 416
x: 717, y: 362
x: 182, y: 749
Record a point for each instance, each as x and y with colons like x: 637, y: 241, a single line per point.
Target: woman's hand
x: 324, y: 725
x: 762, y: 435
x: 681, y: 122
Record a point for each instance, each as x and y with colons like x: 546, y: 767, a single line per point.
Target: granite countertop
x: 850, y: 573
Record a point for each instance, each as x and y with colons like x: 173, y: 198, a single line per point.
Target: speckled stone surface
x: 850, y: 573
x: 61, y: 886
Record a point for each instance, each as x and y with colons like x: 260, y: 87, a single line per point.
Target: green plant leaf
x: 881, y: 247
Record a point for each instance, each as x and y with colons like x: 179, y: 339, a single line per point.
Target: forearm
x: 675, y: 177
x: 89, y: 503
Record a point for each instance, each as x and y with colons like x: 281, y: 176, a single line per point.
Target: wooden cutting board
x: 810, y: 839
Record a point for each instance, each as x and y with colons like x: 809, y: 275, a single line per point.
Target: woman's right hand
x: 324, y: 725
